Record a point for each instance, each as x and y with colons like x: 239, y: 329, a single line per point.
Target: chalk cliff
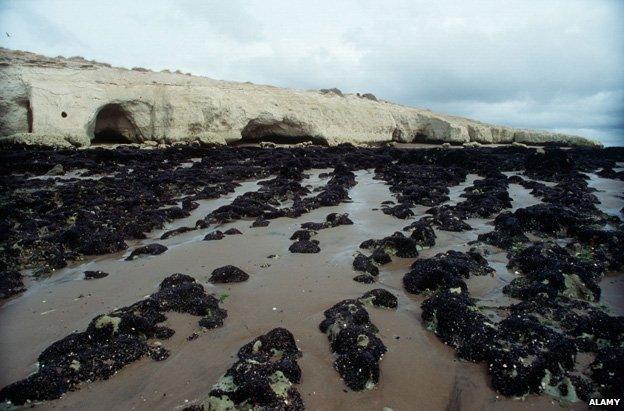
x: 70, y: 101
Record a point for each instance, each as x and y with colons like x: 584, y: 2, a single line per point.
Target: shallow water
x: 609, y: 193
x: 290, y: 291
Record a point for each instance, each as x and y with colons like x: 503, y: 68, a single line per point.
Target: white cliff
x: 67, y: 102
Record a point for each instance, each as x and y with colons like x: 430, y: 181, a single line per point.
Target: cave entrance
x: 280, y: 139
x: 113, y: 125
x: 277, y: 132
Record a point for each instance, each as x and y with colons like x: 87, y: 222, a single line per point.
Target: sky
x: 550, y: 65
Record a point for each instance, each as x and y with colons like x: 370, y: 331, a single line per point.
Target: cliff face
x: 58, y: 101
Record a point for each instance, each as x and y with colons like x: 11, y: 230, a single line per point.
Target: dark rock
x: 310, y: 226
x: 332, y: 220
x: 90, y: 239
x: 445, y: 272
x: 335, y: 219
x: 188, y: 204
x: 428, y: 277
x: 358, y: 350
x: 302, y: 235
x: 215, y: 235
x: 174, y: 232
x: 381, y: 257
x: 454, y: 319
x: 305, y: 247
x: 447, y: 219
x: 379, y: 298
x: 607, y: 246
x: 228, y: 274
x: 422, y: 233
x: 508, y: 233
x: 263, y: 376
x: 364, y: 278
x: 396, y: 244
x: 150, y: 249
x: 550, y: 269
x: 607, y: 370
x: 111, y: 342
x: 90, y: 275
x: 365, y: 264
x: 550, y: 218
x: 401, y: 211
x: 263, y: 348
x: 10, y: 284
x: 260, y: 223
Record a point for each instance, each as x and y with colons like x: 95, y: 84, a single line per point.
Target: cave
x: 277, y: 132
x: 113, y: 125
x: 421, y: 137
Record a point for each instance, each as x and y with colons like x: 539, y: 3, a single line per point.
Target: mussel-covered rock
x: 92, y: 275
x: 264, y: 376
x: 10, y: 284
x: 365, y: 264
x: 112, y: 341
x: 445, y: 271
x: 354, y: 343
x: 150, y: 249
x: 228, y: 274
x: 214, y: 236
x: 305, y: 247
x: 379, y: 297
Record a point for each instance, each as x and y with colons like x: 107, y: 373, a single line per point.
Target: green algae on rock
x: 262, y: 378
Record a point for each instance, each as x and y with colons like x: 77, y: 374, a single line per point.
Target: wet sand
x: 290, y: 291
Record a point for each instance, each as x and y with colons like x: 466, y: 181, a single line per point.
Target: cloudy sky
x: 553, y: 65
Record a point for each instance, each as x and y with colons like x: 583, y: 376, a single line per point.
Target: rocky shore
x: 312, y: 277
